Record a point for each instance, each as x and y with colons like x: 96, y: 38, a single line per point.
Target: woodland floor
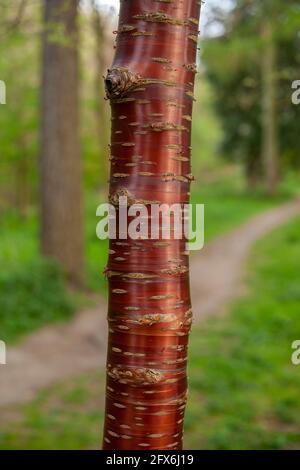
x: 64, y: 351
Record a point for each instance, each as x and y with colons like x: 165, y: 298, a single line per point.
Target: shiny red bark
x: 151, y: 89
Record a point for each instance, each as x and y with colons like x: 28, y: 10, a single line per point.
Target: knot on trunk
x: 119, y: 81
x: 135, y: 375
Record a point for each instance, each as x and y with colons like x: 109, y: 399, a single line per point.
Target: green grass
x: 67, y: 416
x: 19, y: 242
x: 30, y: 296
x: 32, y: 289
x: 244, y: 391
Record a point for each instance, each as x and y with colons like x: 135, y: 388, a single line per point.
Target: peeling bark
x: 150, y: 86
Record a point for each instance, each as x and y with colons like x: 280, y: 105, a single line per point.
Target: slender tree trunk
x: 252, y: 172
x: 150, y: 86
x: 270, y: 145
x: 102, y: 117
x: 61, y: 204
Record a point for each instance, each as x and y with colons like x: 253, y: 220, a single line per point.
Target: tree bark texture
x: 61, y: 204
x: 150, y: 86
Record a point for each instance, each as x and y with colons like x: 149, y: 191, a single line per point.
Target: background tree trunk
x: 270, y: 133
x: 102, y: 113
x: 252, y: 168
x: 151, y: 90
x: 61, y: 200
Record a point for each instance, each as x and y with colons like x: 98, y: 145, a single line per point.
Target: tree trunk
x: 252, y: 172
x: 61, y: 199
x: 270, y: 146
x: 102, y: 116
x: 150, y: 86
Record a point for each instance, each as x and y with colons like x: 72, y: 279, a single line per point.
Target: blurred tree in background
x: 21, y: 26
x: 251, y: 66
x: 61, y: 194
x: 45, y: 64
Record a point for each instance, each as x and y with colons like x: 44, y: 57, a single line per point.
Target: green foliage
x: 32, y: 289
x: 19, y: 117
x: 31, y: 295
x: 233, y: 62
x: 228, y: 203
x: 20, y: 69
x: 206, y: 130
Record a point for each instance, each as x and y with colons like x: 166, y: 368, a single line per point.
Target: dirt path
x: 58, y: 352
